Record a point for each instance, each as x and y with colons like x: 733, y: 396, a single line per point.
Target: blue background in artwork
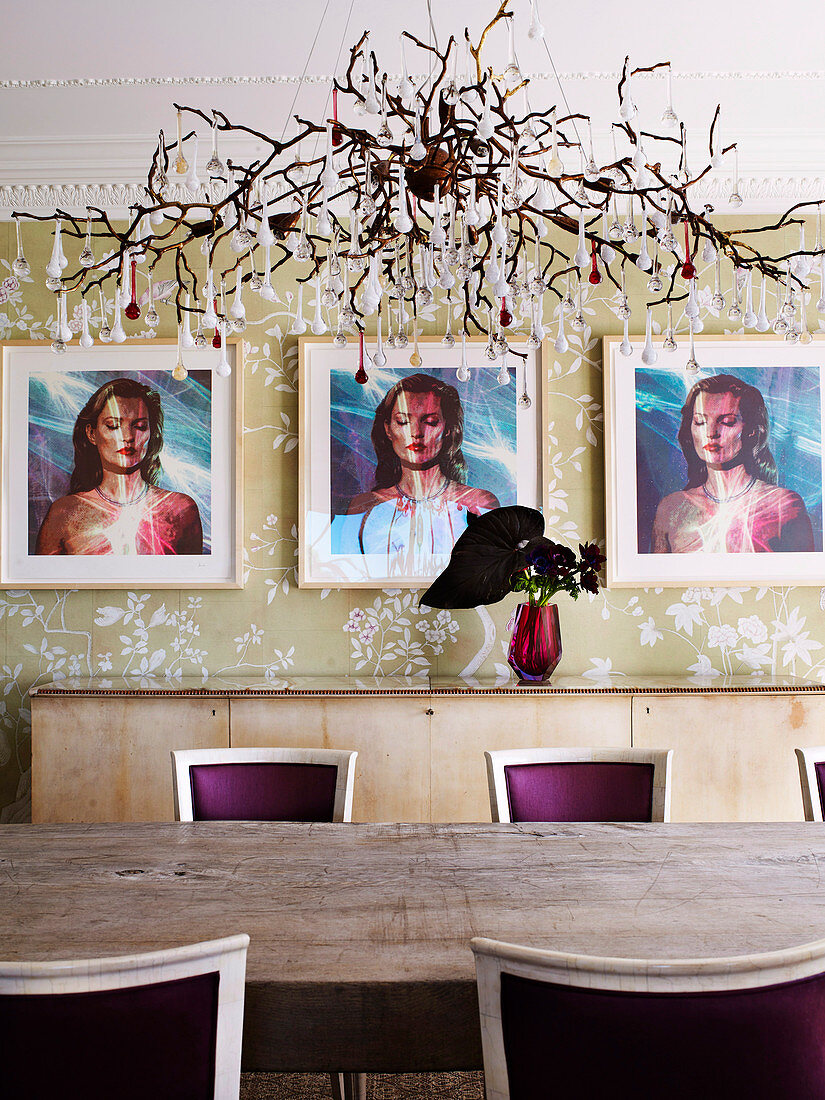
x: 489, y: 430
x: 186, y: 459
x: 792, y: 398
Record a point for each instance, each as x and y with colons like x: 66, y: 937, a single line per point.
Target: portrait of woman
x: 115, y: 503
x: 732, y: 502
x: 419, y: 501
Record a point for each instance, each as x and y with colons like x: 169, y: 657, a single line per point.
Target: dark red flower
x: 590, y: 582
x: 563, y: 559
x: 591, y: 555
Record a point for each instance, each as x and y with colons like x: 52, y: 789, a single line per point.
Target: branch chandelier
x: 450, y: 195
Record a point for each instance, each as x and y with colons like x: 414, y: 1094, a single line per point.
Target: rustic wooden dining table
x: 359, y: 957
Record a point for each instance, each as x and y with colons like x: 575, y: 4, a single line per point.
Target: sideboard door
x: 391, y: 735
x: 733, y: 757
x: 106, y: 758
x: 464, y: 727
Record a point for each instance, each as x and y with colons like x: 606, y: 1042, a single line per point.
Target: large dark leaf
x: 484, y: 558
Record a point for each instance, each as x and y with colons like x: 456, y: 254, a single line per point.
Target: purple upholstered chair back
x: 760, y: 1043
x: 135, y: 1043
x: 580, y: 791
x: 819, y: 767
x: 263, y: 791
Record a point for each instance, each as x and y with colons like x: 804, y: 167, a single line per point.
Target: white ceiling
x: 748, y: 56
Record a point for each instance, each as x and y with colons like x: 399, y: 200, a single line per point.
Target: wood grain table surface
x: 359, y: 956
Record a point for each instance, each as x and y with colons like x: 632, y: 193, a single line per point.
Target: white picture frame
x: 501, y: 446
x: 201, y: 457
x: 645, y: 464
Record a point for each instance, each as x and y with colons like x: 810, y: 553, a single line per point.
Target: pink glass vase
x: 535, y: 646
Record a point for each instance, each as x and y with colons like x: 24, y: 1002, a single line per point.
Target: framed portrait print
x: 114, y: 474
x: 715, y: 477
x: 390, y: 470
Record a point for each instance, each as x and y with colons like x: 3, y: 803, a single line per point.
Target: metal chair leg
x: 348, y: 1086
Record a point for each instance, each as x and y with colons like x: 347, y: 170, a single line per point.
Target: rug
x: 380, y: 1086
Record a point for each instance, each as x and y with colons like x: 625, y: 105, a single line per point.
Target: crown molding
x: 103, y: 159
x: 580, y: 76
x: 761, y: 194
x: 778, y: 167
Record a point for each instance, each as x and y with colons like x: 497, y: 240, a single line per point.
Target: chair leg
x: 348, y: 1086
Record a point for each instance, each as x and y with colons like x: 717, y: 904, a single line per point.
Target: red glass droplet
x: 688, y: 269
x: 361, y: 376
x: 132, y: 311
x: 337, y: 136
x: 505, y: 316
x: 594, y: 277
x: 216, y: 339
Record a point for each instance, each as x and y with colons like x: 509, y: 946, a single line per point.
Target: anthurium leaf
x: 485, y: 557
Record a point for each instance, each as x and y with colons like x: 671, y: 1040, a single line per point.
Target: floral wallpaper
x: 273, y: 629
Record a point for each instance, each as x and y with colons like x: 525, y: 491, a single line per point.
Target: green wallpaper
x: 273, y: 628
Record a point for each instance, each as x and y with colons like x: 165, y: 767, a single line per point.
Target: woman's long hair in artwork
x: 451, y: 459
x: 758, y: 460
x: 88, y: 472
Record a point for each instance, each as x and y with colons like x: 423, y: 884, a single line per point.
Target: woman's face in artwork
x: 716, y: 428
x: 121, y: 434
x: 416, y: 428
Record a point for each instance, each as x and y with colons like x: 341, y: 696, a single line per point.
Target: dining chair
x: 165, y: 1023
x: 579, y: 784
x: 269, y: 785
x: 720, y: 1029
x: 263, y: 784
x: 812, y: 780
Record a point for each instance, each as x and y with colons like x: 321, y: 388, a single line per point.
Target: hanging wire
x: 334, y: 71
x: 433, y: 37
x: 306, y: 66
x: 558, y: 81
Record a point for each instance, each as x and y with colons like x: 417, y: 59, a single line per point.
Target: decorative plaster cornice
x: 774, y: 190
x: 324, y: 78
x: 760, y: 194
x: 69, y: 196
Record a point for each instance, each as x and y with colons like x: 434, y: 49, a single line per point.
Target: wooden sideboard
x: 100, y: 750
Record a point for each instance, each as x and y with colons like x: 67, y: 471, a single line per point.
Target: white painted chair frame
x: 494, y: 958
x: 503, y: 758
x: 227, y: 957
x: 182, y: 760
x: 345, y: 1086
x: 807, y: 759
